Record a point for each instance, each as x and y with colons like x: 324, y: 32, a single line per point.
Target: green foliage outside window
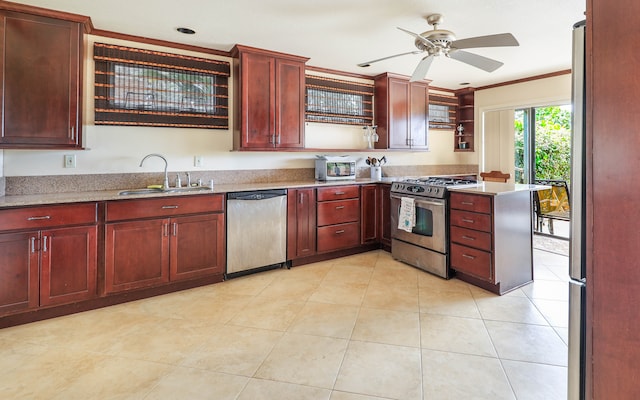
x: 552, y: 142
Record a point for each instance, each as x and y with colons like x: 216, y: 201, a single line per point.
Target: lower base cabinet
x: 151, y: 252
x: 301, y: 223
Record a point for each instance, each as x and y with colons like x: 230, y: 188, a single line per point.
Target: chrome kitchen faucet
x: 165, y: 185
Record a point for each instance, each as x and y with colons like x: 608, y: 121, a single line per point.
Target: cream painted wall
x: 119, y: 149
x: 494, y: 108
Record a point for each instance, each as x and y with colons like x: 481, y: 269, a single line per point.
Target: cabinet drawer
x: 471, y: 202
x: 466, y: 219
x: 339, y: 193
x: 338, y: 212
x: 165, y: 206
x: 471, y: 261
x: 471, y: 238
x: 335, y: 237
x: 49, y: 216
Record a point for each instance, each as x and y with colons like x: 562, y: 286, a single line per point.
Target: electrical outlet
x: 70, y: 161
x: 197, y: 161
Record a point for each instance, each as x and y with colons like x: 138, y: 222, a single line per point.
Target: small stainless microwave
x: 335, y: 168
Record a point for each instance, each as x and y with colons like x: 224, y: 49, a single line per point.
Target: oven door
x: 430, y: 230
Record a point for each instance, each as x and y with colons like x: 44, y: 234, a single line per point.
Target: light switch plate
x: 69, y: 160
x: 197, y: 161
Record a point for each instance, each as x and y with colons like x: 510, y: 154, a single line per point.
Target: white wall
x: 494, y: 109
x: 119, y: 149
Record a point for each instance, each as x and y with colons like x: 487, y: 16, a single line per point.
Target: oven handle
x: 421, y: 201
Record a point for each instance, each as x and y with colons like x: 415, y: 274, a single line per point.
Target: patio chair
x: 551, y: 204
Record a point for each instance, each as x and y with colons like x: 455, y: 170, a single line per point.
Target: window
x: 338, y: 102
x: 150, y: 88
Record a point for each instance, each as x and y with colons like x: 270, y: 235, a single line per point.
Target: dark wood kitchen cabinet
x: 384, y: 211
x: 375, y: 219
x: 150, y: 242
x: 402, y: 112
x: 301, y: 223
x: 41, y: 81
x: 491, y: 239
x: 48, y: 256
x: 270, y: 97
x: 338, y: 217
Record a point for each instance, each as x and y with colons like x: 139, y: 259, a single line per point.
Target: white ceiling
x: 338, y: 34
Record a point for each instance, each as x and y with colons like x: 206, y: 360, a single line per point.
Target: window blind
x: 338, y: 101
x: 151, y: 88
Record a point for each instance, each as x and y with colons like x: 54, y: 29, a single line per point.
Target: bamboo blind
x: 151, y: 88
x: 338, y: 102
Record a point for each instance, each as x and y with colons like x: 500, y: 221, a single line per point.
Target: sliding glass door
x: 542, y: 143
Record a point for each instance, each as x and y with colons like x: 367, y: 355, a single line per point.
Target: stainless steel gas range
x: 420, y: 222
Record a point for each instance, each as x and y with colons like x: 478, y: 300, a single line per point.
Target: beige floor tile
x: 234, y: 350
x: 313, y: 272
x: 14, y: 353
x: 392, y: 297
x: 532, y: 343
x: 446, y: 302
x: 387, y: 326
x: 433, y: 282
x: 537, y: 381
x: 195, y: 384
x: 323, y: 319
x: 455, y: 334
x: 547, y: 290
x: 299, y: 288
x: 368, y: 259
x: 260, y: 389
x: 449, y: 376
x: 479, y: 293
x: 305, y: 360
x: 563, y: 333
x: 340, y: 293
x: 381, y: 370
x: 250, y: 285
x: 511, y: 309
x: 356, y: 274
x: 555, y: 312
x: 335, y: 395
x: 268, y: 313
x: 392, y: 272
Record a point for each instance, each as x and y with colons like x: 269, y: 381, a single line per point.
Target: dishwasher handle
x: 257, y: 195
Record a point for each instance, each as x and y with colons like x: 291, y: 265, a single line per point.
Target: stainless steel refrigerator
x: 577, y: 270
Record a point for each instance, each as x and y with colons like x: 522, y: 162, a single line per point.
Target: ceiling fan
x: 440, y: 42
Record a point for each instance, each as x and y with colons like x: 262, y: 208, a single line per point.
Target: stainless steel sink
x: 131, y: 192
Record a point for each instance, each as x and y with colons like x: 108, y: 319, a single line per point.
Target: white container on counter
x: 376, y: 173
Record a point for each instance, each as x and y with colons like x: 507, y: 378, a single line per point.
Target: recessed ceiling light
x: 465, y: 83
x: 186, y: 31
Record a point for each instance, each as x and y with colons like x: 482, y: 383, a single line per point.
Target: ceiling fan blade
x: 368, y: 63
x: 484, y: 63
x: 498, y: 40
x: 421, y: 38
x: 421, y: 70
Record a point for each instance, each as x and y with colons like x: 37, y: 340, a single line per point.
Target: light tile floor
x: 355, y: 328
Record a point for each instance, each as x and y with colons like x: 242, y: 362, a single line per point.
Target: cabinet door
x: 69, y: 265
x: 418, y: 115
x: 301, y: 235
x: 136, y: 254
x: 370, y: 214
x: 41, y: 83
x: 399, y: 103
x: 384, y: 209
x: 289, y: 104
x: 19, y: 255
x: 258, y: 101
x: 197, y: 246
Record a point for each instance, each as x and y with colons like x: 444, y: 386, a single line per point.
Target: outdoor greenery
x: 552, y: 142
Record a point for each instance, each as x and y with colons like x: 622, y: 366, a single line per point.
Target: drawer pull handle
x: 468, y: 237
x: 339, y: 207
x: 168, y: 207
x: 468, y: 221
x: 44, y: 246
x: 468, y: 256
x: 339, y: 193
x: 340, y: 231
x: 467, y: 203
x: 39, y: 218
x: 33, y: 244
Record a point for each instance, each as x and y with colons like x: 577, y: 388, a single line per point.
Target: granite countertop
x: 497, y: 188
x: 104, y: 195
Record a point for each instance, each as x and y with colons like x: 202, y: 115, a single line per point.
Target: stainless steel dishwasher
x: 256, y: 231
